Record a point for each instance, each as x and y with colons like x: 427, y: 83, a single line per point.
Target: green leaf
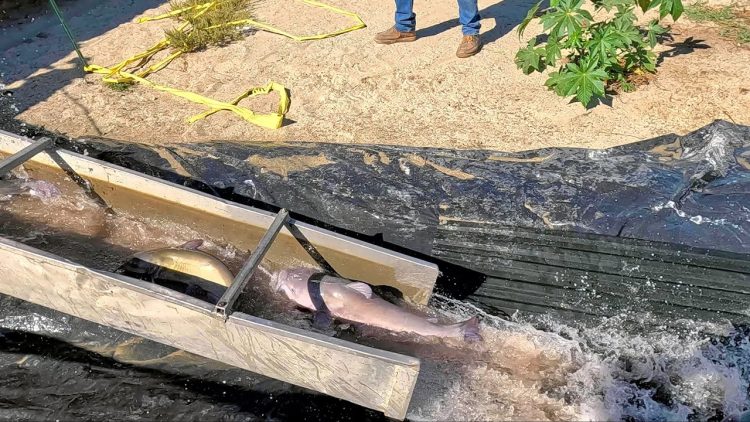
x: 627, y: 32
x: 625, y: 16
x: 566, y: 19
x: 529, y: 59
x: 585, y: 81
x: 555, y: 82
x: 650, y: 61
x: 605, y: 43
x: 665, y: 8
x: 553, y: 51
x: 611, y: 4
x: 586, y: 15
x: 670, y: 7
x: 529, y: 17
x: 597, y: 51
x: 652, y: 5
x: 677, y: 9
x: 627, y: 86
x: 654, y: 30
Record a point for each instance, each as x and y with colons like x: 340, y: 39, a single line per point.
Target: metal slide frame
x: 370, y: 377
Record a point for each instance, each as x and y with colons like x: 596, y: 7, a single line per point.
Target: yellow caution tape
x: 175, y: 12
x: 268, y: 121
x: 264, y: 90
x: 202, y: 7
x: 117, y: 74
x: 359, y: 25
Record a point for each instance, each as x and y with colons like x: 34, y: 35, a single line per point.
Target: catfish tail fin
x: 470, y: 329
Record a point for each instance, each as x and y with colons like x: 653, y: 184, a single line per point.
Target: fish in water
x: 355, y: 302
x: 39, y: 188
x: 184, y: 269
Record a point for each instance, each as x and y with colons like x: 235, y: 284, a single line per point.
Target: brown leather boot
x: 392, y: 36
x: 470, y: 45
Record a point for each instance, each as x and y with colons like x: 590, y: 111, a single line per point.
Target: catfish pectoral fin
x: 321, y: 320
x: 192, y: 244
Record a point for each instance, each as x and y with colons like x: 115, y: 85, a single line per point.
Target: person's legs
x: 468, y: 15
x: 403, y: 30
x: 406, y: 20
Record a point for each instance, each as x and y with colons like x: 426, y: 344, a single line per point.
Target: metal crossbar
x: 225, y: 304
x: 24, y: 155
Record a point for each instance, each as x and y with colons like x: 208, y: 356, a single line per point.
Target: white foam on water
x: 624, y: 368
x: 35, y: 323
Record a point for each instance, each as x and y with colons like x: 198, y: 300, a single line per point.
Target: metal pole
x: 24, y: 155
x: 57, y: 11
x: 311, y: 250
x: 225, y: 304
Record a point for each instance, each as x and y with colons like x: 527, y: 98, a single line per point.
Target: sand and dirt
x: 348, y: 89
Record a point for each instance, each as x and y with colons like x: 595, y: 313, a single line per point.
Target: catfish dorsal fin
x: 192, y: 244
x: 362, y: 288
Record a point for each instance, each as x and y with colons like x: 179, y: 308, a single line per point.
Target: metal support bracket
x: 24, y: 155
x: 226, y: 303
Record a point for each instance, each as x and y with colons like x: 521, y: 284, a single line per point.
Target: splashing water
x: 45, y: 191
x: 624, y: 368
x: 23, y: 185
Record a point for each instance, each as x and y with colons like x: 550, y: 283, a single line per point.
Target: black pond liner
x: 661, y: 225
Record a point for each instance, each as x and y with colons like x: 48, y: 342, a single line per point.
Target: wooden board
x: 366, y: 376
x: 350, y: 257
x: 582, y: 277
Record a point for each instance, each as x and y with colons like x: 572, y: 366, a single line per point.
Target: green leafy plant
x: 591, y: 54
x: 218, y: 24
x: 118, y: 86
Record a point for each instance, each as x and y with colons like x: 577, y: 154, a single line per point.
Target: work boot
x: 470, y: 45
x: 393, y: 35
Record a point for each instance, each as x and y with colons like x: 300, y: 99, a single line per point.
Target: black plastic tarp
x: 691, y: 190
x: 679, y: 200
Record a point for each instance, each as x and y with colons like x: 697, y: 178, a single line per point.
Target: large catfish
x: 355, y: 302
x: 183, y: 268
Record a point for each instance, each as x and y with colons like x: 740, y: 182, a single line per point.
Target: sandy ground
x: 350, y: 90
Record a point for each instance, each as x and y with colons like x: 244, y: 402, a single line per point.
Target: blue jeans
x: 468, y: 15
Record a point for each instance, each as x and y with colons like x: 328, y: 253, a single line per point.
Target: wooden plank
x: 366, y: 376
x: 583, y: 277
x: 415, y: 278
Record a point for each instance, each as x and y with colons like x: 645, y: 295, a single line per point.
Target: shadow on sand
x: 32, y: 40
x: 506, y: 14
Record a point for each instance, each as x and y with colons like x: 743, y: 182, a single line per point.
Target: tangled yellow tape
x: 117, y: 74
x: 358, y: 25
